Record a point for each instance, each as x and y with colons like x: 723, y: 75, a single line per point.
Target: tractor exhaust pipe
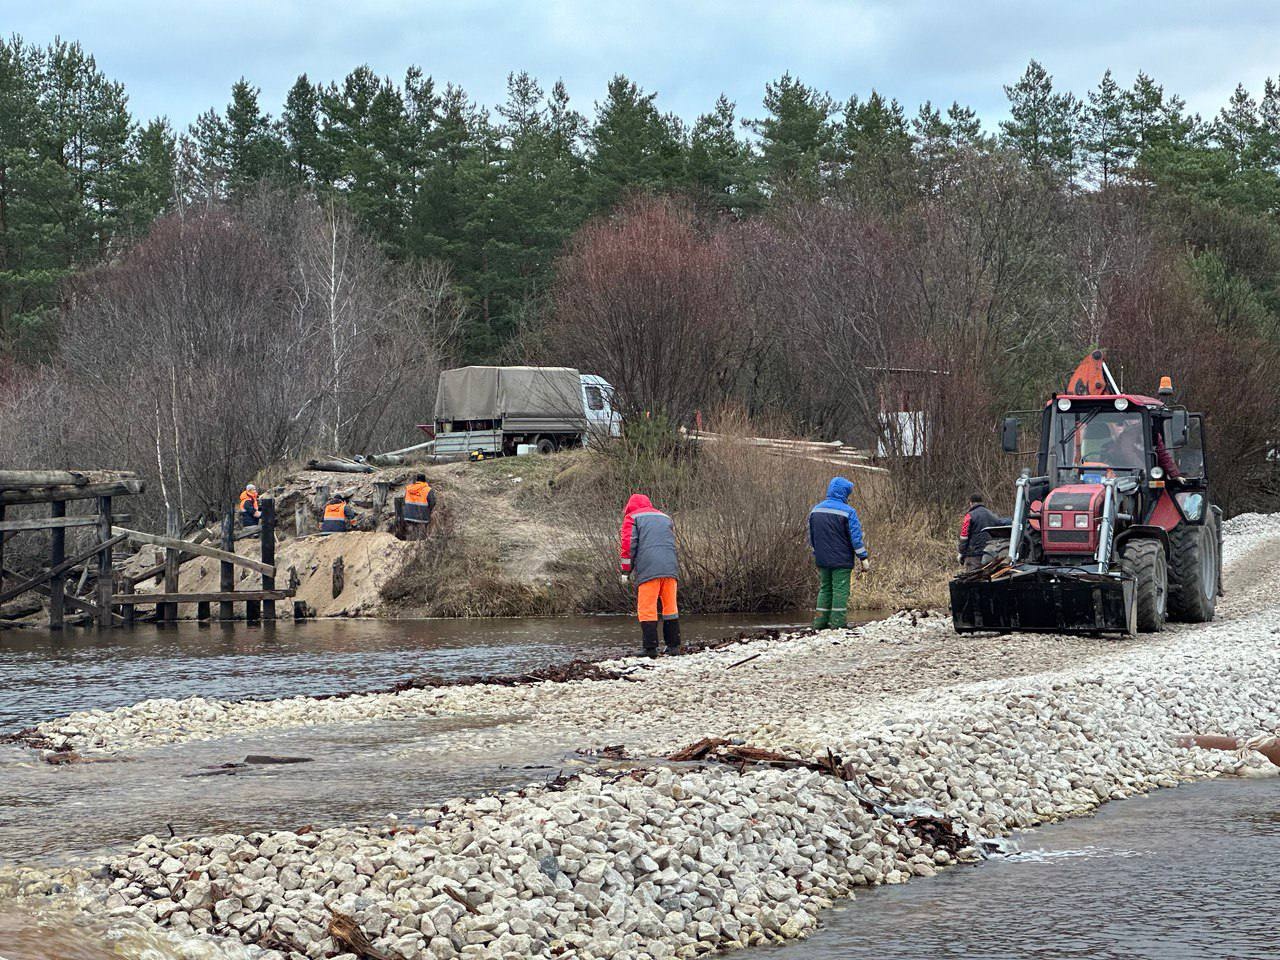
x: 1106, y: 529
x: 1021, y: 507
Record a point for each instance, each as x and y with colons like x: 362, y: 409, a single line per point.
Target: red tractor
x: 1116, y: 532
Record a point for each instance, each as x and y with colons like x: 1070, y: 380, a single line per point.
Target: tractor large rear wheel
x: 993, y: 549
x: 1144, y: 560
x: 1193, y: 572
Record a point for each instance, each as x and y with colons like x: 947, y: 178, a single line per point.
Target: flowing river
x: 1185, y: 873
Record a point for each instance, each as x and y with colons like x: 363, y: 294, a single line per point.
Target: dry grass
x: 451, y: 575
x: 741, y: 518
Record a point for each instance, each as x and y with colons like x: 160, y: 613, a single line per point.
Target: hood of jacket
x: 839, y: 489
x: 637, y: 504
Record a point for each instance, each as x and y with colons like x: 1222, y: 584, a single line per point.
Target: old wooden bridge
x: 102, y: 595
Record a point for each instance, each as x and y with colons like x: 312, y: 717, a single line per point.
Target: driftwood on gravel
x: 929, y: 826
x: 347, y: 934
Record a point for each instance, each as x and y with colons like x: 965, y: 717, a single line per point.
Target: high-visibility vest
x: 248, y: 497
x: 417, y: 492
x: 336, y: 511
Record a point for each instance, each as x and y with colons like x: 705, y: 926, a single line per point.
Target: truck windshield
x: 1099, y: 437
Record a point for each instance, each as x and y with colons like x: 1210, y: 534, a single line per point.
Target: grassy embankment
x: 537, y: 536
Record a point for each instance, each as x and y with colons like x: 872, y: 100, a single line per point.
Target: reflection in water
x: 47, y: 675
x: 1184, y: 874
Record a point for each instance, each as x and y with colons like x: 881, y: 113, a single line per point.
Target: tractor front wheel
x: 1144, y: 560
x: 1193, y: 572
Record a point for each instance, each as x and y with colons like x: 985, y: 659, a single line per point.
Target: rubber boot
x: 649, y: 633
x: 671, y: 636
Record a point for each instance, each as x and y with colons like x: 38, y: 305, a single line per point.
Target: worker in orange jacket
x: 249, y: 511
x: 338, y: 514
x: 419, y: 502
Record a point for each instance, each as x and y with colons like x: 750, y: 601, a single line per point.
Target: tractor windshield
x: 1099, y: 437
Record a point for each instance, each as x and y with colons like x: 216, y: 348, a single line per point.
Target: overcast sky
x: 179, y: 57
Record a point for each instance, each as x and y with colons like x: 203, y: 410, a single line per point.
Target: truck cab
x: 603, y: 421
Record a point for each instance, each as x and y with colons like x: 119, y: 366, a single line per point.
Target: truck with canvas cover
x: 496, y: 410
x: 1116, y: 531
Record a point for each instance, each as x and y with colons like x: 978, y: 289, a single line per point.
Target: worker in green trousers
x: 835, y: 536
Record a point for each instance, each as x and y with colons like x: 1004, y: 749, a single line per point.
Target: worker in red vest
x: 419, y: 502
x: 338, y: 514
x: 249, y: 512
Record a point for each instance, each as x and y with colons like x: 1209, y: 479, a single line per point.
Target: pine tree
x: 964, y: 126
x: 873, y: 151
x: 254, y: 150
x: 1267, y: 145
x: 938, y: 139
x: 299, y: 130
x: 1042, y: 124
x: 1102, y: 130
x: 366, y: 148
x: 631, y: 146
x: 152, y: 176
x: 795, y: 136
x: 1237, y: 129
x: 719, y: 169
x: 31, y: 184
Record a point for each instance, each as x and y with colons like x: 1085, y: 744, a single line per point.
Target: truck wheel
x: 1193, y: 572
x: 546, y: 445
x: 1144, y: 560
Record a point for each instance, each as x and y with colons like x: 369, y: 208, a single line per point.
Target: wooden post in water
x: 227, y: 573
x: 126, y: 586
x: 57, y: 553
x: 268, y: 541
x: 2, y: 535
x: 168, y: 612
x: 104, y: 563
x: 400, y: 524
x: 253, y: 608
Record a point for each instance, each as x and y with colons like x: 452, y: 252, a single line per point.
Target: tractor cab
x: 1138, y: 446
x: 1114, y: 532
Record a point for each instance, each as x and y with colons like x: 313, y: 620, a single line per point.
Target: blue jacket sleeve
x: 855, y: 535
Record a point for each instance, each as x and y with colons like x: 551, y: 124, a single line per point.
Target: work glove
x: 866, y: 565
x: 624, y: 579
x: 959, y: 558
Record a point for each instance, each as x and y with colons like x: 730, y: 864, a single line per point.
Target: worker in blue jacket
x: 835, y: 536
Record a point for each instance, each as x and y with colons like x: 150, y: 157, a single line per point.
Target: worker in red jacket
x: 973, y: 533
x: 648, y: 552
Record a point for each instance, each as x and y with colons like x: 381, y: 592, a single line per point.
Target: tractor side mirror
x: 1178, y: 424
x: 1009, y: 435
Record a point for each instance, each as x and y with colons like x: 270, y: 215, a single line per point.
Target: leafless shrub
x: 227, y: 340
x: 646, y: 298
